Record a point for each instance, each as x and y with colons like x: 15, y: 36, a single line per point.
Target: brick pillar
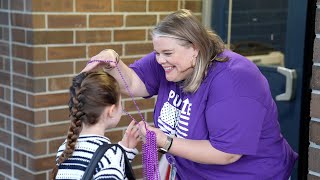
x: 43, y: 44
x: 314, y: 148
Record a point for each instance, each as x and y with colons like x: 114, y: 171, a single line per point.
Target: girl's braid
x: 77, y: 116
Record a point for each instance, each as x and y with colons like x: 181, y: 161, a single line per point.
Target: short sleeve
x: 235, y: 125
x: 149, y: 71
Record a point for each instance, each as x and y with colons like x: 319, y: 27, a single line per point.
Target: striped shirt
x: 111, y: 165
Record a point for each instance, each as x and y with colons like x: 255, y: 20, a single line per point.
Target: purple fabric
x: 233, y: 109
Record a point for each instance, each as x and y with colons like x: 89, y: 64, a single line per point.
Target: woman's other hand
x: 104, y: 56
x: 161, y: 136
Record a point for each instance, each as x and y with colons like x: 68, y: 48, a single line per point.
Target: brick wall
x: 43, y: 44
x: 314, y: 148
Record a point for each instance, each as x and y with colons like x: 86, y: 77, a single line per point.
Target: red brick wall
x: 43, y: 44
x: 314, y: 148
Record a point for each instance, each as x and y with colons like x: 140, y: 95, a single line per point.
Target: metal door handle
x: 291, y: 76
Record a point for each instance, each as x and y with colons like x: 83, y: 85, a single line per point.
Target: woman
x: 214, y: 114
x: 95, y: 105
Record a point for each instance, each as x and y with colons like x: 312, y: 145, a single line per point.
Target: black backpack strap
x: 88, y: 174
x: 96, y: 157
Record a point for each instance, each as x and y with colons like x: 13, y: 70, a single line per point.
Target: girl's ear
x: 111, y: 110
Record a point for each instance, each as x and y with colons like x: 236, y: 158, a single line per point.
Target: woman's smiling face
x: 177, y: 60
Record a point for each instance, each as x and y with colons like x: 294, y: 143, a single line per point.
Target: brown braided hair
x: 90, y: 94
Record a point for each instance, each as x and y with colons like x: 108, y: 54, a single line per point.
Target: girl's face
x: 177, y: 60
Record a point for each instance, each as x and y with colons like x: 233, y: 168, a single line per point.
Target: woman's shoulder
x: 237, y: 77
x: 235, y: 67
x: 151, y: 57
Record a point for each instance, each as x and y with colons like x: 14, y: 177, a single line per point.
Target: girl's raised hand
x: 131, y: 136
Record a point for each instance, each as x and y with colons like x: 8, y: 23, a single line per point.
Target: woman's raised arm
x: 110, y: 61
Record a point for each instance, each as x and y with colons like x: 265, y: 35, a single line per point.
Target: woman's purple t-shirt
x: 232, y: 108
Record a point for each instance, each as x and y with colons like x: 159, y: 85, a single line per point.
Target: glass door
x: 271, y: 34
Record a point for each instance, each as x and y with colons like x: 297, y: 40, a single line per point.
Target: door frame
x: 306, y: 90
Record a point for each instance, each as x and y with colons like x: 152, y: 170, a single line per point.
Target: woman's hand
x: 161, y: 136
x: 131, y: 136
x: 105, y: 55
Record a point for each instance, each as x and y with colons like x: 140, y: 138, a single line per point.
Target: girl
x: 95, y: 105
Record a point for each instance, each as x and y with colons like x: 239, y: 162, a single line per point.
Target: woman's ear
x: 195, y: 50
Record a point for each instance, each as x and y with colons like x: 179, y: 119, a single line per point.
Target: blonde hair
x: 184, y: 26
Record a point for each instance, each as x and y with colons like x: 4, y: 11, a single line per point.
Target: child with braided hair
x: 95, y: 105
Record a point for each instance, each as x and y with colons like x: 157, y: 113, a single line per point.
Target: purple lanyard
x: 149, y: 147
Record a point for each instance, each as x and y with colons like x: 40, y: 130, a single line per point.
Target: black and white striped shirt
x: 111, y: 165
